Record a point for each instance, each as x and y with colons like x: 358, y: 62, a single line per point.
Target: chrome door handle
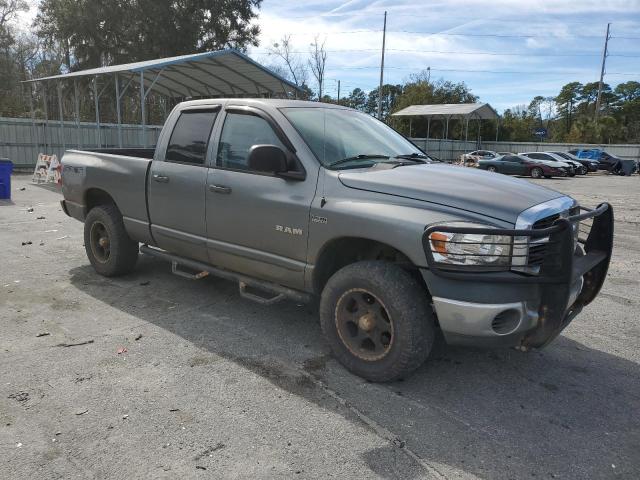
x: 160, y: 178
x: 219, y: 189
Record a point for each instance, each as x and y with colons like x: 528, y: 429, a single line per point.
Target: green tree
x: 389, y: 95
x: 100, y: 32
x: 357, y: 99
x: 566, y: 102
x: 628, y: 91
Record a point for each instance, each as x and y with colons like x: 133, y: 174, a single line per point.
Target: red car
x: 521, y: 165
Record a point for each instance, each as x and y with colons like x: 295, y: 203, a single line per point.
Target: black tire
x: 408, y: 317
x: 108, y: 247
x: 547, y: 176
x: 491, y: 168
x: 536, y: 172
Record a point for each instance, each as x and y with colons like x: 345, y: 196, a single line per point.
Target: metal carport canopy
x: 220, y: 73
x: 482, y: 111
x: 223, y: 73
x: 446, y: 111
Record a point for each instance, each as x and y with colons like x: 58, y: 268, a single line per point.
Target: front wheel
x: 536, y: 172
x: 377, y: 320
x: 491, y: 168
x: 108, y: 246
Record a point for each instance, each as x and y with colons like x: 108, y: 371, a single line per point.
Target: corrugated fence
x: 449, y: 150
x: 21, y: 141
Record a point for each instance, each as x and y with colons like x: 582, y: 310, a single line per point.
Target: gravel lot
x: 214, y: 386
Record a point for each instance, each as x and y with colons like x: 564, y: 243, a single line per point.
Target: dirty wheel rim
x: 364, y: 324
x: 536, y: 173
x: 492, y: 169
x: 100, y: 242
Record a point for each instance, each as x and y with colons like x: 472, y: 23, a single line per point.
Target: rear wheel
x: 108, y: 246
x: 377, y: 320
x: 536, y: 172
x: 491, y: 168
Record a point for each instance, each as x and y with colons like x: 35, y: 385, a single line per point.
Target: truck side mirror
x: 267, y: 159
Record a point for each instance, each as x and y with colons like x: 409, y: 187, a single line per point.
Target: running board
x: 275, y: 292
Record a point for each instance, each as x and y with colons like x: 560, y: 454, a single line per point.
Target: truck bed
x: 119, y: 173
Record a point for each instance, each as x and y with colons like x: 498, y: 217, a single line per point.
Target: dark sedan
x: 519, y: 165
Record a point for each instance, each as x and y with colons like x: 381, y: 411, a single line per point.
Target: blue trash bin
x: 6, y: 167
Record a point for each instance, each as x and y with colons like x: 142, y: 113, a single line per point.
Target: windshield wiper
x: 416, y: 157
x: 357, y: 157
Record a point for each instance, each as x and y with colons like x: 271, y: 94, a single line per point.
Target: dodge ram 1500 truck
x: 299, y: 200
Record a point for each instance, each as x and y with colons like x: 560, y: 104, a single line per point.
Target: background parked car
x: 521, y: 165
x: 579, y: 168
x: 551, y: 161
x: 607, y: 161
x: 471, y: 159
x: 589, y: 164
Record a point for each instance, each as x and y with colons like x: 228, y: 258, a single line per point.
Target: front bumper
x: 525, y: 310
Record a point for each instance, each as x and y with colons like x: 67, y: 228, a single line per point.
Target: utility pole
x: 338, y: 91
x: 384, y: 38
x: 604, y: 60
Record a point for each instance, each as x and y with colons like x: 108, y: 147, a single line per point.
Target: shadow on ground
x: 567, y: 411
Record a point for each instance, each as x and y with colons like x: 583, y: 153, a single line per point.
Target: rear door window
x: 190, y: 137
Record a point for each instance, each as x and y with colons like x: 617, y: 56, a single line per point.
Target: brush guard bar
x: 561, y: 266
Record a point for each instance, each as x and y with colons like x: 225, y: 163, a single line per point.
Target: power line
x: 419, y: 32
x: 529, y: 72
x: 453, y: 52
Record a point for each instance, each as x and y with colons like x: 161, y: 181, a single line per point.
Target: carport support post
x: 118, y: 114
x: 61, y: 114
x: 76, y: 102
x: 46, y: 115
x: 497, y: 127
x: 410, y: 129
x: 466, y: 130
x: 33, y: 116
x: 143, y: 131
x: 428, y: 126
x: 97, y: 106
x: 446, y: 129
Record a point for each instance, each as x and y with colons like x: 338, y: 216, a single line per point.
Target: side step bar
x: 278, y: 292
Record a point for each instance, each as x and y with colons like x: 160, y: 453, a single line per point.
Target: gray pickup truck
x: 306, y: 200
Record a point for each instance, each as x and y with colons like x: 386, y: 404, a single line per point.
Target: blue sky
x: 555, y: 41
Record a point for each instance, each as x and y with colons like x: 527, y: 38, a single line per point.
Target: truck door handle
x: 160, y: 178
x: 219, y: 189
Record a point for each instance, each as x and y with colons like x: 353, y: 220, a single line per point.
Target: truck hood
x: 488, y: 194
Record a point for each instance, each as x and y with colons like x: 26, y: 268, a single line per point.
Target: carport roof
x: 482, y: 111
x: 227, y: 73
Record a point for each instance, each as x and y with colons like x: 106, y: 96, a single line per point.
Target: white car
x: 577, y: 166
x: 472, y: 158
x: 552, y: 161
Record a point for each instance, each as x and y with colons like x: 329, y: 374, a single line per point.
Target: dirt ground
x: 213, y: 386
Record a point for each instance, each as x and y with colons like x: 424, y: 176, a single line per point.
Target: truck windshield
x: 342, y: 138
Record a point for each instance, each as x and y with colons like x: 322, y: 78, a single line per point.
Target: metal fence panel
x: 21, y: 141
x: 450, y: 150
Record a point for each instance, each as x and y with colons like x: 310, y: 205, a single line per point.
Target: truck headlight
x: 471, y: 249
